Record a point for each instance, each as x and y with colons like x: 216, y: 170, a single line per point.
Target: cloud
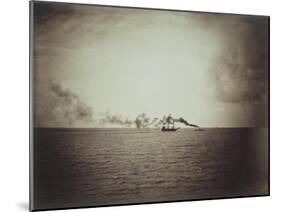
x: 64, y: 109
x: 217, y: 61
x: 240, y: 73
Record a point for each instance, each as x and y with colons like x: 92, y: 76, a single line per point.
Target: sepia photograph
x: 138, y: 105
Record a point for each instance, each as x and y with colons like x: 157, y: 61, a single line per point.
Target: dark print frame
x: 140, y: 105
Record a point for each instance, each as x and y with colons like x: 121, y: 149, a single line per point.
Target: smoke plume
x: 115, y: 120
x: 182, y: 120
x: 143, y: 121
x: 170, y: 120
x: 68, y: 107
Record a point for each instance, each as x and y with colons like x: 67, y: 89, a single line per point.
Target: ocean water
x: 94, y: 167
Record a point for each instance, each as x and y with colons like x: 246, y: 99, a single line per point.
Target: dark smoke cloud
x: 68, y: 108
x: 115, y: 120
x: 143, y: 121
x: 170, y: 120
x: 182, y: 120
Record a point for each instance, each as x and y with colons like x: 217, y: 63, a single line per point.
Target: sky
x: 98, y: 66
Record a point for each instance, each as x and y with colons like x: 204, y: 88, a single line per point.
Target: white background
x: 14, y: 104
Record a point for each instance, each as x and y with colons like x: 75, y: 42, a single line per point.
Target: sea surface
x: 97, y: 167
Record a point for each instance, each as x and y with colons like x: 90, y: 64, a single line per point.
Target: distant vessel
x: 168, y: 128
x: 168, y: 121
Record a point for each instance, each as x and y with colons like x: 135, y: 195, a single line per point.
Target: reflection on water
x: 91, y: 167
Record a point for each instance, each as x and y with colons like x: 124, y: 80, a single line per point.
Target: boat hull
x: 169, y: 130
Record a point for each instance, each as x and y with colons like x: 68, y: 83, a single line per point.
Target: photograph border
x: 31, y: 139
